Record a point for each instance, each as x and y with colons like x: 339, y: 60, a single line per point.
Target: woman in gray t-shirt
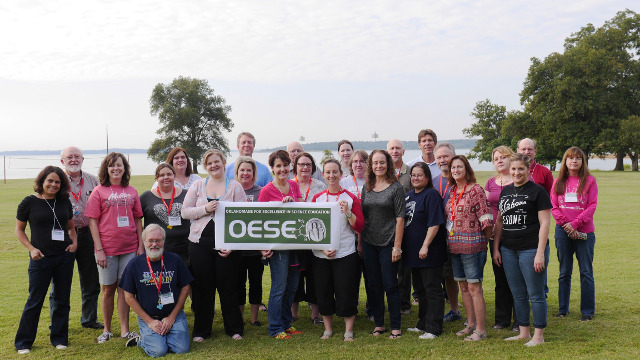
x: 383, y: 207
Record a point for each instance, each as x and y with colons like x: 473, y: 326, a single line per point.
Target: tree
x: 488, y: 126
x: 630, y: 139
x: 579, y: 97
x: 326, y: 155
x: 191, y: 117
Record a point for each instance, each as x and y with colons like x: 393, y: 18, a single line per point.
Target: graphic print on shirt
x: 411, y: 208
x: 167, y: 277
x: 160, y: 211
x: 119, y: 199
x: 513, y: 212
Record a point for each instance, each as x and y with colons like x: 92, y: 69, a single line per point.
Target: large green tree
x: 191, y: 117
x: 580, y: 96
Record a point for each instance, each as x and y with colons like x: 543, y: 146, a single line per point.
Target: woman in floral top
x: 469, y: 226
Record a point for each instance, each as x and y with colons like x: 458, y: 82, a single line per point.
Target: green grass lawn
x: 613, y: 333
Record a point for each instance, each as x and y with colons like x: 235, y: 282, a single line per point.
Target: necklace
x: 516, y: 188
x: 278, y: 187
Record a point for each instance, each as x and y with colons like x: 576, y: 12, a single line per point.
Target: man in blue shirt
x: 155, y: 286
x: 246, y: 144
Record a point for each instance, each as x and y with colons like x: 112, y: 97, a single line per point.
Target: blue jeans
x: 56, y: 268
x: 284, y: 284
x: 583, y: 249
x: 382, y: 275
x: 156, y: 345
x: 526, y: 284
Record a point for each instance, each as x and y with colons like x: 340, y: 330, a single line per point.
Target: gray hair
x: 150, y: 228
x: 535, y: 144
x: 445, y: 144
x: 68, y: 148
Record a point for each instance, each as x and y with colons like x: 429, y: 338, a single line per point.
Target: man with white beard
x: 81, y: 185
x: 156, y: 285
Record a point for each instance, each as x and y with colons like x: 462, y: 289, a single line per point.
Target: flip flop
x: 378, y: 332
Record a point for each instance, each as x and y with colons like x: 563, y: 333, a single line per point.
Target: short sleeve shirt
x: 519, y: 209
x: 41, y: 220
x: 424, y: 210
x: 137, y: 280
x: 380, y: 210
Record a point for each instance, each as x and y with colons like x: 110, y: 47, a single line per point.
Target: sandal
x: 348, y: 336
x: 395, y: 336
x: 478, y: 334
x: 326, y: 335
x: 378, y: 332
x: 466, y: 331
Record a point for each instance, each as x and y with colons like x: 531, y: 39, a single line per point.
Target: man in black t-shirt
x: 156, y: 285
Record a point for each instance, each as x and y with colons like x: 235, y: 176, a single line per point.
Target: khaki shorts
x: 115, y: 267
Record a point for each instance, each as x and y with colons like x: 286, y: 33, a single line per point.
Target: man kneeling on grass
x: 155, y: 287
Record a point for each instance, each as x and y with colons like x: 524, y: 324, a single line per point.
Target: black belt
x: 81, y: 230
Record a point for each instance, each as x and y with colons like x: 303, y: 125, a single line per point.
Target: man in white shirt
x: 427, y: 141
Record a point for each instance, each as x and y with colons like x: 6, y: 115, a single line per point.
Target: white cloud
x: 282, y: 41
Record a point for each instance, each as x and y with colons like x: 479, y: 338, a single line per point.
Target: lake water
x: 28, y: 167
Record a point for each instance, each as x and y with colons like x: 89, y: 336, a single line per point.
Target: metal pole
x: 4, y: 165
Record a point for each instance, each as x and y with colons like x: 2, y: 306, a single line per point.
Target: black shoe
x: 93, y: 325
x: 586, y: 318
x: 560, y: 315
x: 256, y: 323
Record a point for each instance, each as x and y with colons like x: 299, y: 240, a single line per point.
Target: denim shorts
x: 469, y: 267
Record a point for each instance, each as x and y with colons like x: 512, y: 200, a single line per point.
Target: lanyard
x: 337, y: 195
x: 453, y: 204
x: 309, y: 188
x: 53, y: 209
x: 157, y: 282
x: 398, y: 175
x: 164, y: 202
x: 356, y: 184
x: 226, y: 184
x: 77, y: 197
x: 446, y: 187
x: 533, y: 169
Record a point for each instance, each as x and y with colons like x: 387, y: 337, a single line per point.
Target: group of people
x: 425, y: 225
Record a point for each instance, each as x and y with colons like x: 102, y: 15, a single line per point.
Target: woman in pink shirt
x: 574, y: 197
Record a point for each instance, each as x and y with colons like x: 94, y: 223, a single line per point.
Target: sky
x: 72, y: 70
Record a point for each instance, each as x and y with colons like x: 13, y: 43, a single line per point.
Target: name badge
x: 123, y: 221
x: 166, y: 298
x: 571, y: 197
x: 175, y: 221
x: 76, y: 212
x: 57, y: 235
x: 449, y: 225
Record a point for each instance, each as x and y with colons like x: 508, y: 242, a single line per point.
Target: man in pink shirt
x: 538, y: 173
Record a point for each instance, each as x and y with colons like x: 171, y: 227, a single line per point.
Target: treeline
x: 586, y: 96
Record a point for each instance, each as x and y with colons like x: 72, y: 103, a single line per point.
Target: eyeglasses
x: 304, y: 164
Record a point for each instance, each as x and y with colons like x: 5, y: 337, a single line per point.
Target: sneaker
x: 198, y: 339
x: 293, y: 331
x: 24, y: 351
x: 133, y: 341
x: 586, y: 318
x: 130, y: 335
x: 237, y: 337
x: 61, y: 347
x: 452, y: 316
x: 427, y: 335
x: 281, y: 336
x: 104, y: 337
x: 317, y: 321
x: 415, y: 302
x: 560, y: 315
x: 415, y: 329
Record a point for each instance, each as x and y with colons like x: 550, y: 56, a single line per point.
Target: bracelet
x: 398, y: 250
x: 349, y: 215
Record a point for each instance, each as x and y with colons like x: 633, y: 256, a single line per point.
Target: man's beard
x: 73, y: 168
x: 154, y: 253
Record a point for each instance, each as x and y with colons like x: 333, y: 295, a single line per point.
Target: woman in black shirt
x: 52, y: 252
x: 521, y: 246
